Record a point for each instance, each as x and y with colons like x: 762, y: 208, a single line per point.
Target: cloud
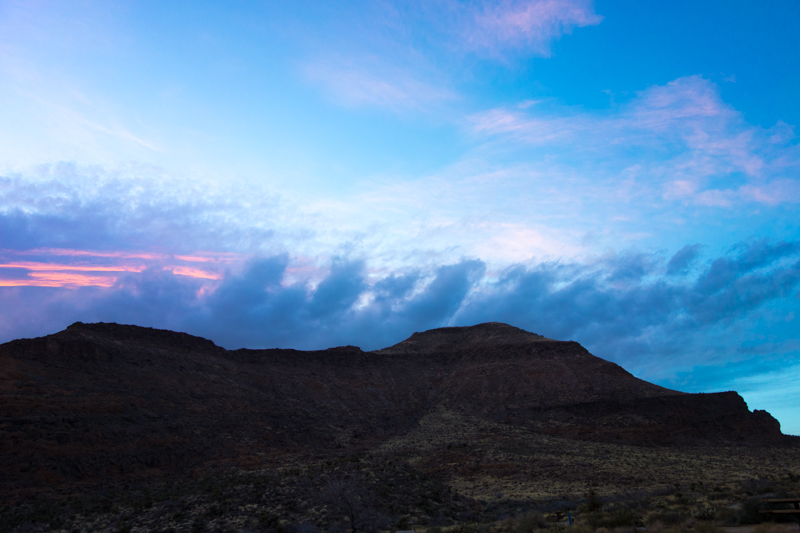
x: 527, y: 24
x: 680, y: 139
x: 143, y: 219
x: 368, y: 83
x: 401, y: 58
x: 614, y: 301
x: 95, y: 210
x: 682, y: 261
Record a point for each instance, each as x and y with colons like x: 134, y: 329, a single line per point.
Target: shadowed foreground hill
x: 107, y: 401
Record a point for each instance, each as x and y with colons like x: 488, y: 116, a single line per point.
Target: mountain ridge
x: 114, y: 401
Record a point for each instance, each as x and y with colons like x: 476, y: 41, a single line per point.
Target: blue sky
x: 308, y: 174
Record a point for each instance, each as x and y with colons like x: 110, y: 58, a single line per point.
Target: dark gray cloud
x: 683, y: 260
x: 68, y: 207
x: 623, y: 307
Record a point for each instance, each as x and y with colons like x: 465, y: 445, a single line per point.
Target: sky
x: 312, y: 174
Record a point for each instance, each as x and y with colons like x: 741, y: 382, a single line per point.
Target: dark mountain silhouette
x: 108, y: 401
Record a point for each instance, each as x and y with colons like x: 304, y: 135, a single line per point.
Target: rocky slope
x: 107, y: 401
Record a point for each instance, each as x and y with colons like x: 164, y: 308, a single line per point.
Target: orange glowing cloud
x: 29, y: 265
x: 211, y: 258
x: 68, y: 274
x: 87, y: 253
x: 194, y: 273
x: 58, y: 279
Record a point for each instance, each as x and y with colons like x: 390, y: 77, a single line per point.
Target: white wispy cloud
x: 368, y: 82
x: 680, y: 137
x: 401, y: 69
x: 530, y: 25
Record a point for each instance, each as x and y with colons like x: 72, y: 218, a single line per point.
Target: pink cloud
x: 772, y: 193
x: 195, y: 273
x: 681, y: 137
x: 91, y: 253
x: 210, y: 258
x: 530, y: 129
x: 370, y: 84
x: 39, y: 270
x: 59, y: 279
x: 528, y: 24
x: 56, y: 267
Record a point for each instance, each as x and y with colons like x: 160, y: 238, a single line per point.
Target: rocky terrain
x: 483, y: 410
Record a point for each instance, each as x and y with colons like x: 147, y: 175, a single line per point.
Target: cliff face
x: 110, y: 401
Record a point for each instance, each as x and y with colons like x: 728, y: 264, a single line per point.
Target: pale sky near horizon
x: 309, y: 174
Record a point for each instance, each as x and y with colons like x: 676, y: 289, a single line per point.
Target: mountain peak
x: 462, y: 338
x: 140, y: 335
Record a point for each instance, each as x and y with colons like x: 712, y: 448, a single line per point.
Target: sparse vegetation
x: 334, y: 496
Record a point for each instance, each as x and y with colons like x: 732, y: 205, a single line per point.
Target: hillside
x: 104, y: 402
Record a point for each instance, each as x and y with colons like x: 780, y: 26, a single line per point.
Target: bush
x: 622, y: 516
x: 269, y: 520
x: 655, y: 527
x: 667, y: 518
x: 768, y: 527
x: 727, y: 516
x: 464, y: 528
x: 707, y: 527
x: 593, y: 503
x: 705, y: 513
x: 749, y: 512
x: 529, y: 522
x: 199, y: 525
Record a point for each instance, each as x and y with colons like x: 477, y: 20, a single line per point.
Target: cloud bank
x: 629, y: 307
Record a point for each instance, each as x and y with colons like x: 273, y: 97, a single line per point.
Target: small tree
x: 350, y: 497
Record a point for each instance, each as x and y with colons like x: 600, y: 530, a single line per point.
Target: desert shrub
x: 199, y: 525
x: 581, y: 528
x: 268, y: 520
x: 215, y: 511
x: 707, y: 527
x: 622, y: 516
x: 768, y: 527
x: 595, y: 520
x: 592, y: 503
x: 617, y: 517
x: 726, y: 516
x: 529, y: 522
x: 667, y: 518
x: 749, y: 512
x: 724, y: 495
x: 758, y: 486
x: 705, y: 513
x: 464, y: 528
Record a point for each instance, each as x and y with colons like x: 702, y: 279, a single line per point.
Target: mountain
x: 115, y: 402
